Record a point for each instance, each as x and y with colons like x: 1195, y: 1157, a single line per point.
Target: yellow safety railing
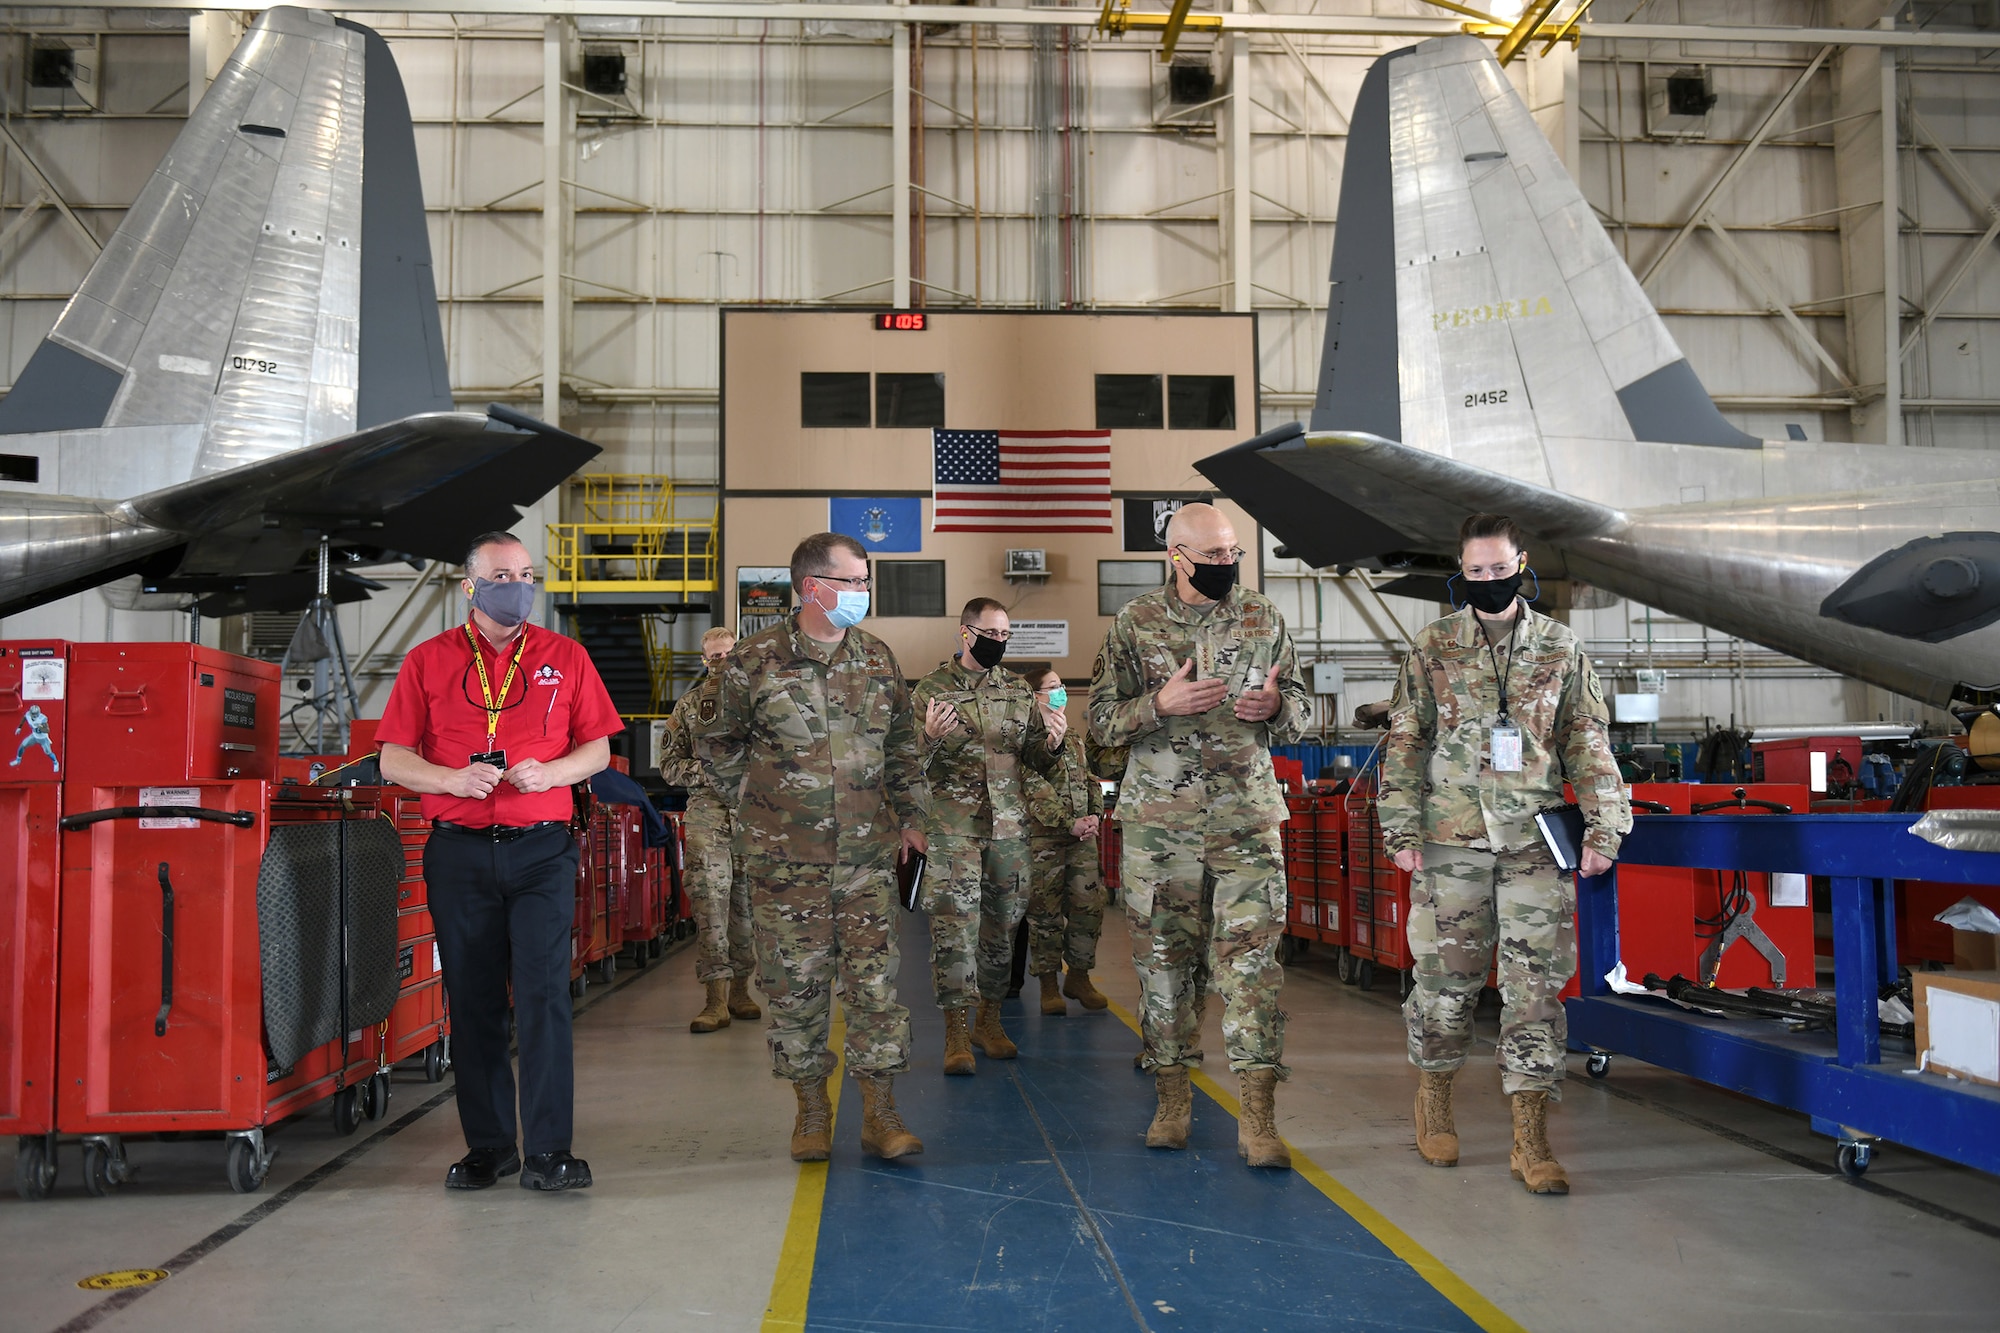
x: 673, y: 669
x: 636, y: 534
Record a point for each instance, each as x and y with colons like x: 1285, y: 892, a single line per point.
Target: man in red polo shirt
x: 492, y: 722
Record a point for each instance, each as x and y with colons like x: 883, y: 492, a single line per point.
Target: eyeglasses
x: 1225, y: 556
x: 997, y: 635
x: 861, y: 582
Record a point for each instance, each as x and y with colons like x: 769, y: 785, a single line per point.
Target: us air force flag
x: 880, y: 523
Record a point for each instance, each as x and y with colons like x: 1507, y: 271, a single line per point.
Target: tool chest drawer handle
x: 166, y: 952
x: 125, y: 703
x: 240, y: 818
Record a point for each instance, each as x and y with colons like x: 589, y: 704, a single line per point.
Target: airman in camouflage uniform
x: 1458, y: 812
x: 815, y: 748
x: 721, y: 898
x: 1066, y: 897
x: 982, y: 731
x: 1200, y: 680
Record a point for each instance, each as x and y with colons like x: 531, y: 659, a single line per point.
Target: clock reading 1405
x: 909, y: 321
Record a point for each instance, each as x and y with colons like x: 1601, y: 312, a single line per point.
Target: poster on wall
x: 1146, y: 522
x: 763, y: 597
x: 894, y: 524
x: 1038, y: 638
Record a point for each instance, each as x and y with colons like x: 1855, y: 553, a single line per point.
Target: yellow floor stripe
x: 1427, y: 1265
x: 791, y: 1285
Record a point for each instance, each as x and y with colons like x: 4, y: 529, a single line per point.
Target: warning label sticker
x: 169, y: 796
x: 120, y: 1279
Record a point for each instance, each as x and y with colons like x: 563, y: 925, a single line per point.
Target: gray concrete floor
x: 1690, y: 1208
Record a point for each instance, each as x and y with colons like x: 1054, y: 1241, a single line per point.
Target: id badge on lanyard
x: 1506, y: 747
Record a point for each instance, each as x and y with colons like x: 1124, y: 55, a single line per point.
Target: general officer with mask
x: 1496, y: 706
x: 491, y: 722
x: 813, y: 745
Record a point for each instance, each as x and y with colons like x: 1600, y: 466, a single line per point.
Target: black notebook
x: 910, y: 877
x: 1562, y: 830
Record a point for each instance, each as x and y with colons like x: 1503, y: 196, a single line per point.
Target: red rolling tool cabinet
x: 1315, y: 842
x: 167, y: 710
x: 419, y: 1027
x: 1378, y: 896
x: 1661, y: 908
x: 33, y: 711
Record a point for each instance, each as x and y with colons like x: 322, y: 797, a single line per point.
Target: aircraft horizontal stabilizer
x: 1331, y: 496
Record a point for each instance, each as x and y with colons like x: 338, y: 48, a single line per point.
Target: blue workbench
x: 1839, y: 1079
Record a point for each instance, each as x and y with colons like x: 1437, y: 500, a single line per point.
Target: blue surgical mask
x: 504, y: 603
x: 1058, y: 697
x: 848, y: 609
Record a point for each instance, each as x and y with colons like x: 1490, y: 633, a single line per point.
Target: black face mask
x: 1212, y: 581
x: 1492, y: 596
x: 988, y: 652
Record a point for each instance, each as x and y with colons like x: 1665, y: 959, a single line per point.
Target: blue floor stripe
x: 983, y: 1231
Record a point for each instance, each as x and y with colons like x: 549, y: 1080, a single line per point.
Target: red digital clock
x: 909, y: 321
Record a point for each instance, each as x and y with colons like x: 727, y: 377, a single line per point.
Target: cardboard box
x: 1958, y: 1023
x: 1974, y: 951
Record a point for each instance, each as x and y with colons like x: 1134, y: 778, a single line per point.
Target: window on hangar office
x: 833, y: 399
x: 1129, y: 402
x: 20, y: 467
x: 909, y: 587
x: 909, y: 400
x: 1201, y: 402
x: 1119, y: 581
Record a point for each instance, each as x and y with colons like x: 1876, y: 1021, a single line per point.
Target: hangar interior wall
x: 753, y: 162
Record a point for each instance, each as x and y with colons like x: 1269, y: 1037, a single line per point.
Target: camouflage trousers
x: 976, y: 891
x: 1065, y: 904
x: 1460, y: 905
x: 817, y: 925
x: 720, y: 897
x: 1206, y: 906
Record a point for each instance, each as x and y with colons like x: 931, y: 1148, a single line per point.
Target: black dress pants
x: 503, y: 910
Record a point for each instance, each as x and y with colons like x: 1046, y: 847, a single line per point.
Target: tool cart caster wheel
x: 639, y: 957
x: 607, y: 968
x: 1598, y: 1065
x: 1343, y: 967
x: 346, y: 1111
x: 100, y: 1177
x: 1854, y: 1159
x: 34, y: 1169
x: 246, y: 1169
x: 654, y: 948
x: 1364, y: 973
x: 434, y: 1062
x: 578, y: 984
x: 375, y: 1096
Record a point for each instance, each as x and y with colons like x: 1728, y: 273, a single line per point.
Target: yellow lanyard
x: 493, y: 710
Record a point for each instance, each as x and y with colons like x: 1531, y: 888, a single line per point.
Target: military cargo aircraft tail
x: 266, y: 312
x: 1487, y: 348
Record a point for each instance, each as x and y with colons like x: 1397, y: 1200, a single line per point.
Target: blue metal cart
x: 1839, y: 1078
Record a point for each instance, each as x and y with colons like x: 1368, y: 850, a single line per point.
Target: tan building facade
x: 822, y: 403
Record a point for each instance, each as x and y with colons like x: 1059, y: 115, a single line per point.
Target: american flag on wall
x: 1021, y: 481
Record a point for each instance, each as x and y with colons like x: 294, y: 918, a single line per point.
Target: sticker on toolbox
x: 406, y: 963
x: 43, y: 677
x: 437, y: 958
x: 170, y: 796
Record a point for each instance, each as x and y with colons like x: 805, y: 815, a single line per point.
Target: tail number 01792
x: 256, y: 365
x: 1489, y: 398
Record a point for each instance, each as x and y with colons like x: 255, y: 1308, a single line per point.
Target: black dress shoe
x: 481, y: 1168
x: 555, y: 1171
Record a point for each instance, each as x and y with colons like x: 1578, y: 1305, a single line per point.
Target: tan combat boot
x: 1052, y: 1000
x: 1170, y: 1121
x: 1257, y: 1140
x: 1437, y: 1137
x: 812, y: 1132
x: 957, y: 1044
x: 1532, y: 1162
x: 716, y: 1013
x: 1078, y: 987
x: 989, y: 1036
x: 740, y: 1003
x: 882, y: 1130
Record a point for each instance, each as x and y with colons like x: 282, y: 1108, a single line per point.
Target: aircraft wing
x: 1339, y: 496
